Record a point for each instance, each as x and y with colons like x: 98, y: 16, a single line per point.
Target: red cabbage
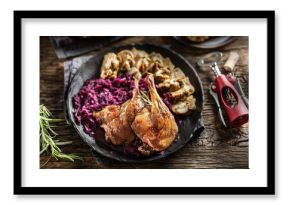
x: 98, y: 93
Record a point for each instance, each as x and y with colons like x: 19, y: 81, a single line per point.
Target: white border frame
x: 256, y: 29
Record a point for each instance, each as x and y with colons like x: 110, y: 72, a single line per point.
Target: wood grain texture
x: 216, y: 147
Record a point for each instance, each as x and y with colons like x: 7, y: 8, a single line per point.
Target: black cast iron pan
x: 189, y: 126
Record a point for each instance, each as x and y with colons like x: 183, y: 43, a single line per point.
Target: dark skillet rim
x: 199, y: 45
x: 97, y: 148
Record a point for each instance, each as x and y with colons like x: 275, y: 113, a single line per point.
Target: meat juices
x: 154, y: 124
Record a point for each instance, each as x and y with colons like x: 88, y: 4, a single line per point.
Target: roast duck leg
x: 116, y: 120
x: 151, y: 121
x: 154, y: 124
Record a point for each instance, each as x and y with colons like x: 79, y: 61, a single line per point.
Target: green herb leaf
x: 145, y: 98
x: 48, y: 141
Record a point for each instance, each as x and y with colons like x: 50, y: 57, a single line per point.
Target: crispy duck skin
x: 116, y: 120
x: 117, y: 130
x: 155, y: 125
x: 135, y: 104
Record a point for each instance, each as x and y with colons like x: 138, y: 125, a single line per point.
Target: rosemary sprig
x: 145, y: 98
x: 48, y: 141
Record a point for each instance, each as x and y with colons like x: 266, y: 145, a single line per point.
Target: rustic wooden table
x: 216, y: 147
